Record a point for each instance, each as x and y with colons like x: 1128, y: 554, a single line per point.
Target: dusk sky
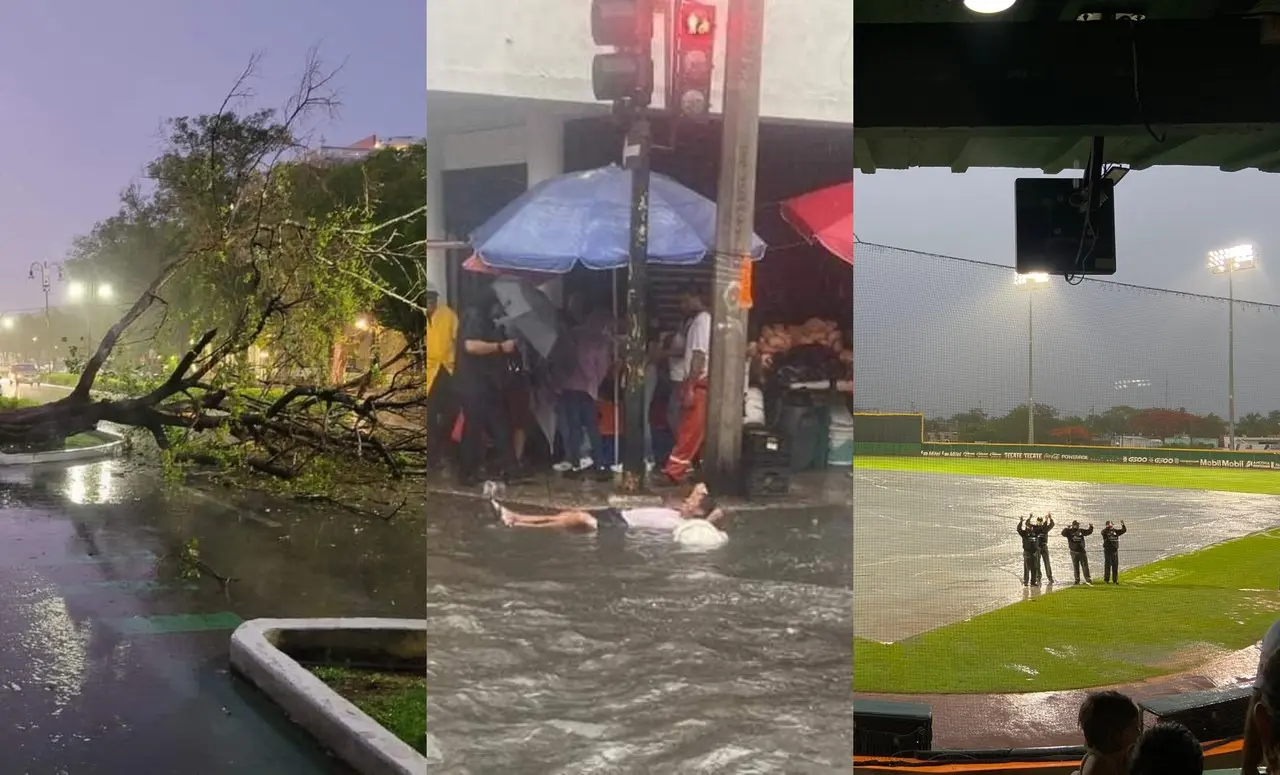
x: 85, y: 86
x: 944, y: 336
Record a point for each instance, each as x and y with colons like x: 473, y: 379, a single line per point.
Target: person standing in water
x: 1075, y: 542
x: 1030, y: 553
x: 1043, y: 526
x: 698, y: 505
x: 1111, y: 551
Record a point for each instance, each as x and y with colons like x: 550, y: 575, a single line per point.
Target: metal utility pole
x: 735, y: 221
x: 636, y: 155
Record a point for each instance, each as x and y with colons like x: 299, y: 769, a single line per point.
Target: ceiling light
x: 989, y: 6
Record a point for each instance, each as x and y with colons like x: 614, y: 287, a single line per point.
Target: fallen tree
x: 243, y: 247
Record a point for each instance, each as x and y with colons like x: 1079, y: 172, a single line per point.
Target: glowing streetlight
x: 106, y: 292
x: 989, y: 6
x: 1228, y: 261
x: 8, y: 323
x: 76, y: 290
x: 1032, y: 281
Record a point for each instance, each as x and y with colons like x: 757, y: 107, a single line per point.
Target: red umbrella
x: 825, y: 216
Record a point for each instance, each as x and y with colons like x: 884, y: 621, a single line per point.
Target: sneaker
x: 586, y: 462
x: 562, y: 467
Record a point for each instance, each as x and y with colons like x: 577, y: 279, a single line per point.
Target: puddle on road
x: 555, y: 653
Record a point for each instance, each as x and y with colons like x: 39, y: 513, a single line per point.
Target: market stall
x: 803, y: 352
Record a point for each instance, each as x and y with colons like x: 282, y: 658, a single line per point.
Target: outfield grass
x: 1256, y: 481
x: 1167, y: 616
x: 395, y: 700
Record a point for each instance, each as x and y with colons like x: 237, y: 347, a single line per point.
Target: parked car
x: 24, y: 374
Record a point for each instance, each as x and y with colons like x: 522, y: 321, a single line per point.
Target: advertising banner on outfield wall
x: 1201, y: 458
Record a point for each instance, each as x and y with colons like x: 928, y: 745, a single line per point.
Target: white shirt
x: 1270, y: 642
x: 698, y: 340
x: 676, y: 365
x: 652, y: 518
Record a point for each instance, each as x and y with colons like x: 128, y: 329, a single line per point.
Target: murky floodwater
x: 932, y: 549
x: 554, y: 653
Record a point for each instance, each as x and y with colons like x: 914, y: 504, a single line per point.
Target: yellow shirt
x: 441, y: 343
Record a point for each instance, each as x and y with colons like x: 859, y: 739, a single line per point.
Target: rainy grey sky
x: 943, y: 337
x: 85, y: 86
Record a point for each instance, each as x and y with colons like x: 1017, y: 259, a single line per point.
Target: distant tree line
x: 1052, y: 427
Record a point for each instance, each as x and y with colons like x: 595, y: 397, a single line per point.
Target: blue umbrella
x: 586, y: 216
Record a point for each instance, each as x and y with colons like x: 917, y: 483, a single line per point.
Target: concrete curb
x: 339, y: 725
x: 108, y: 448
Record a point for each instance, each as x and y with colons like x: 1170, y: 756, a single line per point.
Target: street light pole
x: 1031, y: 370
x: 1231, y: 356
x: 1030, y: 283
x: 1228, y: 261
x: 46, y: 270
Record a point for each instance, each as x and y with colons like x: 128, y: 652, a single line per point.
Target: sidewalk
x: 1050, y: 718
x: 832, y: 488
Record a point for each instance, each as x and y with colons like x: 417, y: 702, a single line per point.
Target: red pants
x: 690, y: 436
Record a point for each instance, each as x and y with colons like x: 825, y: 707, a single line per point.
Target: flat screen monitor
x: 1054, y: 235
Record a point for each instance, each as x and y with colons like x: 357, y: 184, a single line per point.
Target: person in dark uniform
x: 1111, y: 551
x: 481, y: 376
x: 1075, y: 542
x: 1030, y: 553
x: 1043, y: 526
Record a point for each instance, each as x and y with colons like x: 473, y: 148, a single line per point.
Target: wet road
x: 566, y: 654
x: 930, y: 549
x: 112, y: 662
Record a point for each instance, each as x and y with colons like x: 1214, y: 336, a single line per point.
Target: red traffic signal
x: 627, y: 73
x: 693, y: 53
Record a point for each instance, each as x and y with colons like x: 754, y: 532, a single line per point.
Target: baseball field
x: 940, y: 607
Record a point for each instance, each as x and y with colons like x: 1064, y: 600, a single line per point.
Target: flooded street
x: 933, y: 549
x: 553, y: 653
x: 112, y: 660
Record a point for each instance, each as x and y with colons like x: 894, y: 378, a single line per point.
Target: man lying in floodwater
x: 698, y: 505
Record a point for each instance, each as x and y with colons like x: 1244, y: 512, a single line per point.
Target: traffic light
x: 626, y: 74
x: 693, y: 52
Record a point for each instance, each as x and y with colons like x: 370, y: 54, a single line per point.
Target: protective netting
x: 1130, y: 389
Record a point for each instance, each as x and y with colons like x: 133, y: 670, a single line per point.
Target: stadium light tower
x: 1030, y: 283
x: 1228, y: 261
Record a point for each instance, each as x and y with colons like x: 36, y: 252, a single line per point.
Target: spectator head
x: 1075, y: 523
x: 1266, y: 714
x: 692, y: 300
x: 1168, y: 748
x: 432, y: 299
x: 1111, y: 722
